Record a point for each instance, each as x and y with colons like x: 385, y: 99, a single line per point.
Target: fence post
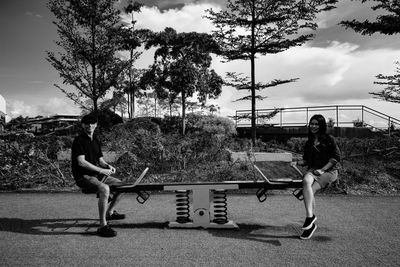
x: 362, y: 115
x: 306, y: 115
x: 256, y: 118
x: 236, y: 120
x: 337, y: 116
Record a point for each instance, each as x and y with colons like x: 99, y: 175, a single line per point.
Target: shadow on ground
x: 84, y: 226
x: 70, y: 226
x: 47, y: 226
x: 269, y: 234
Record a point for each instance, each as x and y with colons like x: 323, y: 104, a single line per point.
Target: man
x: 89, y: 168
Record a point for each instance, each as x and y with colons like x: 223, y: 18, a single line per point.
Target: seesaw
x: 209, y: 199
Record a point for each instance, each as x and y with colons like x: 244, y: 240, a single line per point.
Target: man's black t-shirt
x: 91, y: 149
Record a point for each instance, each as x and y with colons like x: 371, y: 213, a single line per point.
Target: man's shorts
x: 326, y: 178
x: 91, y: 183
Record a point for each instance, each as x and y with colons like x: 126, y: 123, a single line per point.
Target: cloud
x: 52, y: 106
x: 187, y: 19
x: 338, y: 68
x: 338, y: 74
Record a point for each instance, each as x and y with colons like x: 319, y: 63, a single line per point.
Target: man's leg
x: 104, y: 193
x: 113, y: 204
x: 112, y: 181
x: 93, y: 184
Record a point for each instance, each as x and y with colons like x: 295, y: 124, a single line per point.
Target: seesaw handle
x: 298, y: 193
x: 261, y: 194
x: 142, y: 197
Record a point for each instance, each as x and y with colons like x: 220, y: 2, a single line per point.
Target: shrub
x: 140, y: 137
x: 148, y: 123
x: 359, y: 123
x: 214, y: 125
x: 296, y: 144
x: 30, y: 162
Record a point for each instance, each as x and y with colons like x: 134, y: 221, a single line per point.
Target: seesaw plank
x: 262, y: 156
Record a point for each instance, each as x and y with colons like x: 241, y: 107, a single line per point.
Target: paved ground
x: 57, y: 230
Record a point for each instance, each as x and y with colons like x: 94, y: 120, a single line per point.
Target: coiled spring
x: 182, y: 206
x: 220, y: 206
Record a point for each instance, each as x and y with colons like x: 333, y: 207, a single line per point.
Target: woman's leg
x: 309, y: 189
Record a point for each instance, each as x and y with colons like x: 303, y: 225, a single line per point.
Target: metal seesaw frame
x: 209, y: 198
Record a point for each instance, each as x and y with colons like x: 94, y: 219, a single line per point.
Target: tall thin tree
x: 89, y: 39
x: 131, y: 43
x: 248, y: 28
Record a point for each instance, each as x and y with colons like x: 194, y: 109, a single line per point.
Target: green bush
x: 205, y: 141
x: 107, y: 119
x: 214, y: 125
x: 29, y: 161
x: 140, y: 137
x: 296, y: 144
x: 200, y: 155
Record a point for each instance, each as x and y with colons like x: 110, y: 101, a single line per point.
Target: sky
x: 338, y: 67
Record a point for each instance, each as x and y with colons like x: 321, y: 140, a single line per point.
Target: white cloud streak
x: 187, y: 19
x: 52, y: 106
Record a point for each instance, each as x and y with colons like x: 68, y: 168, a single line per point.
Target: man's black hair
x: 89, y: 119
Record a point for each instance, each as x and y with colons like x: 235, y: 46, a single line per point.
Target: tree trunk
x: 133, y: 103
x: 94, y: 87
x: 95, y: 107
x: 253, y: 90
x: 183, y: 112
x: 132, y: 89
x: 155, y: 106
x: 129, y: 95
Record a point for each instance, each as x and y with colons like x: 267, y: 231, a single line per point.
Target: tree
x: 258, y: 27
x: 133, y: 39
x: 117, y: 101
x: 389, y: 24
x: 18, y: 123
x: 240, y: 82
x: 392, y: 92
x: 131, y: 87
x: 146, y: 105
x: 182, y: 67
x: 89, y: 33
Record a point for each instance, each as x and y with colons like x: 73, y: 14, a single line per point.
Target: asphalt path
x: 57, y: 229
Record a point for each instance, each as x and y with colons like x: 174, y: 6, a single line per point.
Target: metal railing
x: 338, y: 115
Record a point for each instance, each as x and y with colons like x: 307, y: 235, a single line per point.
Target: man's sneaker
x: 309, y: 222
x: 115, y: 216
x: 308, y: 233
x: 106, y: 231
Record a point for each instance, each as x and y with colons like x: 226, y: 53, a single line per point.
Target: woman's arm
x: 334, y: 157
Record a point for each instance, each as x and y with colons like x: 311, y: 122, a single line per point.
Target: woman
x: 321, y: 155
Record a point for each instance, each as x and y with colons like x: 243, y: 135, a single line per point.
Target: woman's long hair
x: 322, y: 126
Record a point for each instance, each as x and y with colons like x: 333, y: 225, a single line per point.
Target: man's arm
x: 87, y: 165
x: 104, y: 164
